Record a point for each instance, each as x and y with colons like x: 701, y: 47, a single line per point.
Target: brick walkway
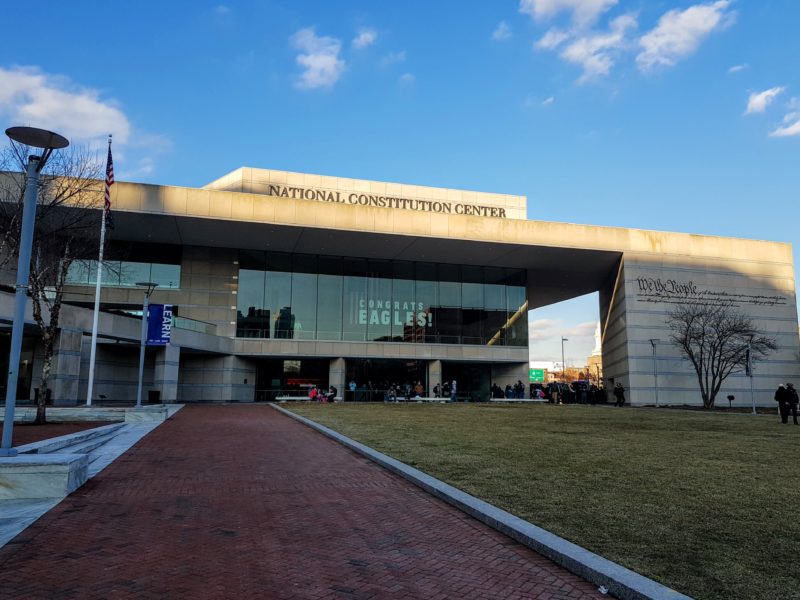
x: 242, y: 502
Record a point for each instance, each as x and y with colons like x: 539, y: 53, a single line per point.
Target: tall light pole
x: 563, y: 364
x: 653, y: 343
x: 149, y: 288
x: 47, y: 141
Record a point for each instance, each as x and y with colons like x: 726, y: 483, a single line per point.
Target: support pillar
x: 434, y: 375
x: 165, y: 378
x: 336, y: 376
x: 66, y: 367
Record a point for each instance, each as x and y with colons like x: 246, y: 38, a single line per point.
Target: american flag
x: 109, y: 183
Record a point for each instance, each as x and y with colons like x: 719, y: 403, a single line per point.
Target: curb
x: 618, y: 580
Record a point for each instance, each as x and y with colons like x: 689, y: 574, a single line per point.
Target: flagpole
x: 98, y: 285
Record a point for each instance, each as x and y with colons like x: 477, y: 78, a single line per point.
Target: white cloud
x: 596, y: 52
x: 221, y: 9
x: 502, y: 31
x: 548, y: 101
x: 30, y: 97
x: 737, y: 68
x: 543, y: 329
x: 319, y: 56
x: 392, y: 58
x: 787, y: 131
x: 552, y: 39
x: 586, y: 329
x: 583, y: 12
x: 759, y: 101
x: 365, y: 37
x: 407, y: 79
x: 680, y: 32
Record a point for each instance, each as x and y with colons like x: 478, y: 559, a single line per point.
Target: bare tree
x: 715, y: 339
x: 66, y: 231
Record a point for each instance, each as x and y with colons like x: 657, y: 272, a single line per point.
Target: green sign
x: 536, y: 375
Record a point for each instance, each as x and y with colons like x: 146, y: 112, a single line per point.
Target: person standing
x: 782, y: 398
x: 619, y: 394
x: 453, y: 391
x: 791, y: 395
x: 352, y: 387
x: 437, y: 390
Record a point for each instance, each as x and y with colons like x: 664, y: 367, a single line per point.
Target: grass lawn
x: 708, y: 504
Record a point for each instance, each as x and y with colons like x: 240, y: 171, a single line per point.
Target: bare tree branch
x: 715, y: 338
x: 66, y: 230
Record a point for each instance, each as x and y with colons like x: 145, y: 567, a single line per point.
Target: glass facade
x: 299, y: 296
x: 129, y: 263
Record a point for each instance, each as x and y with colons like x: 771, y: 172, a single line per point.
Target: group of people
x: 516, y: 391
x: 317, y: 394
x: 787, y: 399
x: 447, y: 390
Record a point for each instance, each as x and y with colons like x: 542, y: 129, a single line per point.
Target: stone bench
x: 29, y: 476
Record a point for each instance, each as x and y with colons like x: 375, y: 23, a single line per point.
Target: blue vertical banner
x: 159, y: 324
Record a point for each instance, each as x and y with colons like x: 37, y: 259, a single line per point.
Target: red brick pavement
x: 242, y: 502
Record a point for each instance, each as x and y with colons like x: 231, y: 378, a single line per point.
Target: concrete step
x: 66, y: 443
x: 86, y: 446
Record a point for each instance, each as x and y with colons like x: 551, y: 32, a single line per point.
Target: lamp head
x: 37, y: 138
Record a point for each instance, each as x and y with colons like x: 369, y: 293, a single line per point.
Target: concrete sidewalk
x: 240, y: 501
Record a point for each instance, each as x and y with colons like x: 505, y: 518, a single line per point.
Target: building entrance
x: 289, y: 377
x: 374, y: 377
x: 473, y: 381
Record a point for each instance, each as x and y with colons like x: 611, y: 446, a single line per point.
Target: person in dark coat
x: 792, y: 400
x: 619, y: 394
x: 782, y: 398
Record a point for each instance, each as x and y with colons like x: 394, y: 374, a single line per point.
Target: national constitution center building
x: 280, y: 281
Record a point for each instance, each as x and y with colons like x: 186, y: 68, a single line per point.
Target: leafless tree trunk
x: 66, y: 231
x: 715, y: 338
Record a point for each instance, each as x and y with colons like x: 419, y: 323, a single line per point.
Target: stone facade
x: 638, y: 275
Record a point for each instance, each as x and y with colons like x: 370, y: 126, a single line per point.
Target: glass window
x: 278, y: 300
x: 304, y: 305
x: 166, y: 276
x: 329, y: 294
x: 252, y: 318
x: 408, y: 321
x: 355, y: 312
x: 289, y: 296
x: 426, y: 295
x: 132, y: 273
x: 449, y: 286
x: 78, y: 273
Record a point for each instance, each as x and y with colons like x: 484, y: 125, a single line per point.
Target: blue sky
x: 673, y: 115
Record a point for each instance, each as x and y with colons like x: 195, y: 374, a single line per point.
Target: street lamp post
x: 653, y: 343
x: 149, y: 288
x: 563, y: 363
x: 47, y: 141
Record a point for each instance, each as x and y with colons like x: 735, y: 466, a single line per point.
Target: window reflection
x: 332, y: 298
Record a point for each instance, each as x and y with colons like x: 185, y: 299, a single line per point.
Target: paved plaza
x: 243, y: 502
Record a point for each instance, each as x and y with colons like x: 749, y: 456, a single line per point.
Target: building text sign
x: 159, y: 324
x: 671, y: 291
x: 363, y: 199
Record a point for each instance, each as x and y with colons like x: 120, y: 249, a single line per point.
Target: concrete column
x: 434, y: 375
x: 336, y: 375
x: 239, y: 379
x: 66, y: 367
x: 165, y: 378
